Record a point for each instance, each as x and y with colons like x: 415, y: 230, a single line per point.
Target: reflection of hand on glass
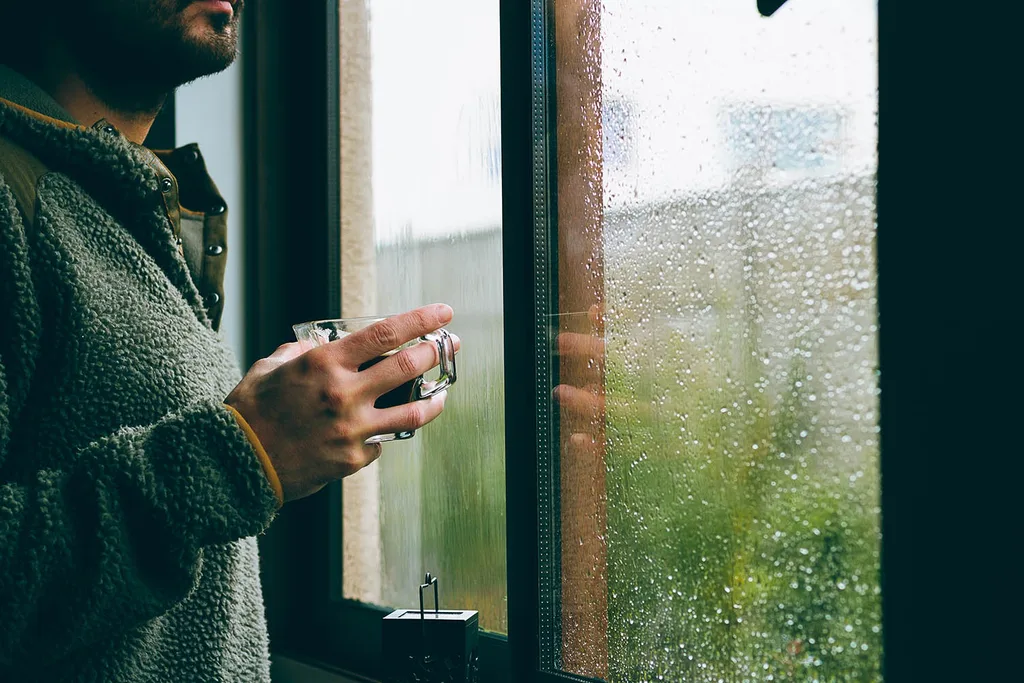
x: 581, y: 395
x: 312, y: 410
x: 580, y: 349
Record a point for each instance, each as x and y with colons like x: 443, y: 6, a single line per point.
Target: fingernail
x: 444, y: 313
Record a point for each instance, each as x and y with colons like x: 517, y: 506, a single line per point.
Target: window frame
x: 520, y: 86
x: 294, y: 274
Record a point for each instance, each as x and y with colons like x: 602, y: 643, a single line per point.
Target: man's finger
x: 370, y: 452
x: 388, y: 335
x: 582, y: 445
x: 285, y: 352
x: 399, y: 368
x: 350, y: 459
x: 579, y: 402
x: 411, y: 415
x: 576, y: 345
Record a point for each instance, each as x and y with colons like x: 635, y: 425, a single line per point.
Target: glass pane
x: 421, y: 222
x: 717, y: 346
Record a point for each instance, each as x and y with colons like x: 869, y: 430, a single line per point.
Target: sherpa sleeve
x: 117, y: 538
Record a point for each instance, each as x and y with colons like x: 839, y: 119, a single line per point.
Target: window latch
x: 430, y: 581
x: 430, y: 646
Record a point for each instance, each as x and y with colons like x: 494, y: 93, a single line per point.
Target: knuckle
x: 348, y: 432
x: 425, y: 321
x: 344, y: 433
x: 358, y: 456
x: 385, y: 334
x: 372, y: 451
x: 262, y: 366
x: 406, y: 363
x: 334, y: 397
x: 314, y: 363
x: 348, y: 461
x: 417, y: 413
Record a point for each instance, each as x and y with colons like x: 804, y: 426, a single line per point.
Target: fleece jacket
x: 129, y: 495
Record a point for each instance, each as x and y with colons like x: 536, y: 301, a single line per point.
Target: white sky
x: 677, y: 62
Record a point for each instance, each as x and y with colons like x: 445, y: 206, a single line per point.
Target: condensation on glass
x: 719, y: 428
x: 421, y: 223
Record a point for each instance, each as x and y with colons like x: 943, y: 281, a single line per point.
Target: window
x: 786, y: 139
x: 656, y: 221
x: 714, y: 487
x: 421, y: 222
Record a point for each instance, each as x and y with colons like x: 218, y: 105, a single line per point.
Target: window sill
x: 284, y: 669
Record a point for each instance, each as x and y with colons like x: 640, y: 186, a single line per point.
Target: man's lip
x: 227, y: 6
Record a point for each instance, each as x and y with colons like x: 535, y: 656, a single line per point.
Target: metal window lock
x: 422, y: 646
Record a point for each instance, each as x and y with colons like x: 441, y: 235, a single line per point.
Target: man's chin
x: 135, y: 58
x: 199, y: 69
x: 204, y: 51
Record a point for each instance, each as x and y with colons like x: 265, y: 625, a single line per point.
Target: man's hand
x: 312, y: 410
x: 581, y: 395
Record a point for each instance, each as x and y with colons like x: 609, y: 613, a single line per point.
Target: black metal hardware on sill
x: 431, y: 647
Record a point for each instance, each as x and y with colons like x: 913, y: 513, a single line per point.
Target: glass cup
x: 319, y: 332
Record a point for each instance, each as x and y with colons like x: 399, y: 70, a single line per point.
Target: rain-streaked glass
x: 720, y: 455
x: 421, y: 218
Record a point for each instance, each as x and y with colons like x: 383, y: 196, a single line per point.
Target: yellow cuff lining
x: 261, y: 453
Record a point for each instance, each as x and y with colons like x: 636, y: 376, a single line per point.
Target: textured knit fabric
x: 129, y: 495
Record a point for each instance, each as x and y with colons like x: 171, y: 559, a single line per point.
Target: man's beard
x: 132, y: 53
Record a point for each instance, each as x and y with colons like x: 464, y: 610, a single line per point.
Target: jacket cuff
x: 261, y: 453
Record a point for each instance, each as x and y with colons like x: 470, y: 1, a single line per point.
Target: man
x: 136, y: 466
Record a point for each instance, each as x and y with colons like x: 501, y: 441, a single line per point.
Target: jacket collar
x: 118, y: 174
x: 17, y: 89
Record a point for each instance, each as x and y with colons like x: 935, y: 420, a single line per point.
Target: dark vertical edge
x: 259, y: 53
x: 542, y: 132
x: 335, y: 529
x: 549, y: 453
x: 545, y: 228
x: 902, y: 363
x: 949, y: 280
x: 290, y: 269
x: 263, y: 151
x: 520, y: 335
x: 935, y: 199
x: 292, y: 193
x: 332, y: 175
x: 332, y: 153
x: 310, y: 287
